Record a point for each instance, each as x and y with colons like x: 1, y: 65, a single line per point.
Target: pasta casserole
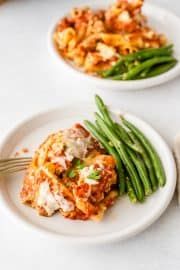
x: 93, y: 40
x: 71, y: 174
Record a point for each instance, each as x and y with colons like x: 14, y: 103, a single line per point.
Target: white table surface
x: 29, y: 82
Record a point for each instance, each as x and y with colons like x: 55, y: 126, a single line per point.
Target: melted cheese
x: 69, y: 154
x: 46, y: 199
x: 64, y: 204
x: 124, y: 17
x: 76, y: 146
x: 105, y: 51
x: 51, y: 202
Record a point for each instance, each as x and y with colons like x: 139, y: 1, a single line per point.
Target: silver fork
x: 12, y: 165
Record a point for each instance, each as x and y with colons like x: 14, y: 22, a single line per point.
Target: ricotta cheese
x: 51, y: 202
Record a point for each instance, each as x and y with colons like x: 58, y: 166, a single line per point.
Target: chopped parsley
x: 78, y: 165
x: 71, y: 173
x: 95, y: 175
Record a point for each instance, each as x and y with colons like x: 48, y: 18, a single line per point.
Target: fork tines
x: 11, y: 165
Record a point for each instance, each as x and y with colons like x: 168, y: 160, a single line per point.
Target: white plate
x: 121, y: 221
x: 162, y: 20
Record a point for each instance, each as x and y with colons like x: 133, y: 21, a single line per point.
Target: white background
x: 30, y: 82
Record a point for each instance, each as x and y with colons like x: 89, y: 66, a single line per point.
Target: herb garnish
x: 71, y: 173
x: 77, y: 165
x: 95, y: 175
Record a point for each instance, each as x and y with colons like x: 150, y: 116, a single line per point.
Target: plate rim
x: 96, y: 239
x: 116, y: 85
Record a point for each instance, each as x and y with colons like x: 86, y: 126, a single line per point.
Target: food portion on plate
x: 81, y: 171
x: 71, y: 173
x: 116, y: 43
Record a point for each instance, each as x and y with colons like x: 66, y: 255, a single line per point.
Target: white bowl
x: 162, y: 20
x: 121, y: 221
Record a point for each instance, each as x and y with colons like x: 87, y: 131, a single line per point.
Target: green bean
x: 123, y: 132
x: 140, y: 55
x: 141, y: 170
x: 146, y: 159
x: 98, y: 127
x: 114, y: 69
x: 116, y: 77
x: 130, y: 192
x: 120, y: 69
x: 156, y: 70
x: 134, y: 73
x: 157, y: 164
x: 102, y: 132
x: 111, y: 151
x: 130, y: 75
x: 107, y: 118
x: 108, y: 130
x: 103, y: 110
x: 123, y: 135
x: 144, y: 73
x: 150, y: 53
x: 161, y: 69
x: 149, y: 72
